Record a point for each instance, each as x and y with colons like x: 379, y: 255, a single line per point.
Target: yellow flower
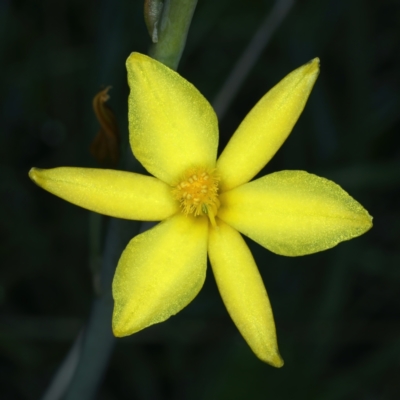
x: 204, y: 204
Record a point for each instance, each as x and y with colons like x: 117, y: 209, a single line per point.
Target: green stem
x: 95, y: 241
x: 250, y: 56
x: 173, y: 28
x: 98, y: 341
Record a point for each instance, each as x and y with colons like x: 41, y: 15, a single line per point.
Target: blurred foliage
x: 337, y: 312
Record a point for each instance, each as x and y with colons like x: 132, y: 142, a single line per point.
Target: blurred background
x: 337, y: 312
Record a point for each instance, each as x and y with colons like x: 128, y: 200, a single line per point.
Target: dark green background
x: 337, y: 312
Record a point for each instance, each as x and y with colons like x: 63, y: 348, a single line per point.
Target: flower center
x: 197, y: 193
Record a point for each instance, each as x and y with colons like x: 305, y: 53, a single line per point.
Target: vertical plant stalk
x: 250, y: 56
x: 98, y: 341
x: 172, y: 29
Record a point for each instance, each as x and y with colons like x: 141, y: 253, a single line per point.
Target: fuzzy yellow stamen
x: 197, y: 193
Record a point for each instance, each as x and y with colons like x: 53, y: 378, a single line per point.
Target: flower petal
x: 172, y: 126
x: 118, y: 194
x: 243, y: 291
x: 294, y: 213
x: 159, y: 273
x: 266, y: 127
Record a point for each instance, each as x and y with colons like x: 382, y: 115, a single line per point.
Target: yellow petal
x: 243, y: 292
x: 294, y: 213
x: 159, y: 273
x: 266, y: 127
x: 172, y: 126
x: 115, y: 193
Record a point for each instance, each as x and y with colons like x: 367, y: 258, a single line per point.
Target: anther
x: 198, y: 194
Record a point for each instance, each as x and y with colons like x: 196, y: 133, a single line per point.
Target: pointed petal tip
x: 133, y: 59
x: 313, y: 66
x: 277, y: 362
x: 33, y: 174
x: 118, y: 331
x: 273, y: 359
x: 315, y: 61
x: 369, y: 220
x: 136, y: 58
x: 122, y: 327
